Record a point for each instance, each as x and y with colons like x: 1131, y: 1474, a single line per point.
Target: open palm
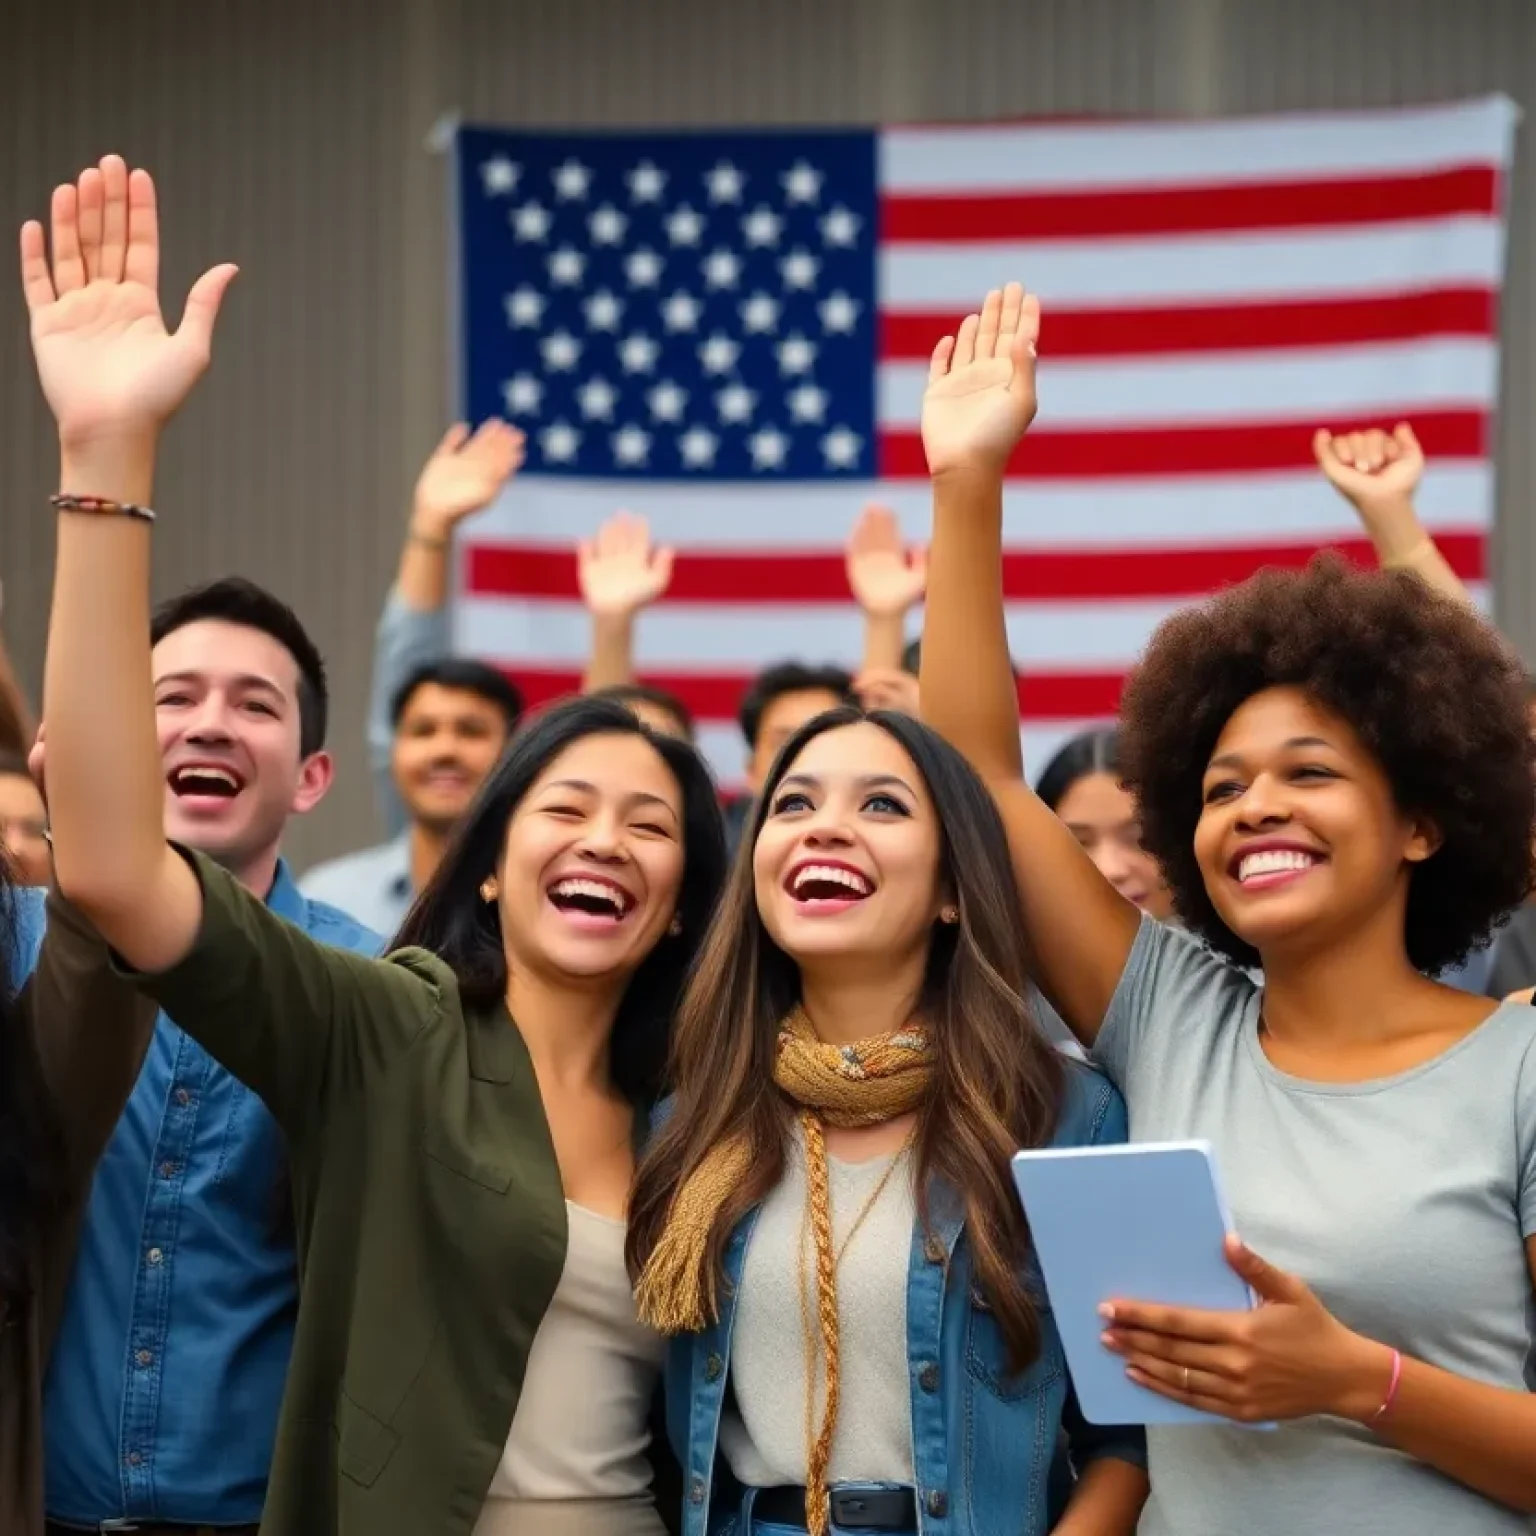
x: 619, y: 571
x: 106, y: 361
x: 981, y: 385
x: 465, y: 473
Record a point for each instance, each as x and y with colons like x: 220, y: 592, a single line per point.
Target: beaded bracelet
x: 67, y: 503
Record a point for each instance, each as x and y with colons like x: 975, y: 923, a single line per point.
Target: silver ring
x: 1186, y: 1378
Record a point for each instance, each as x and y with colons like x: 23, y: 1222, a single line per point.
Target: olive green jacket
x: 431, y: 1218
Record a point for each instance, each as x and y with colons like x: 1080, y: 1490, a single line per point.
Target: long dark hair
x: 31, y: 1151
x: 451, y: 919
x: 1090, y: 752
x: 997, y: 1083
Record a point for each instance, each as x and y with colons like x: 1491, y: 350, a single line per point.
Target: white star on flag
x: 566, y: 266
x: 681, y: 311
x: 523, y: 395
x: 719, y: 354
x: 631, y: 445
x: 647, y: 182
x: 531, y: 222
x: 724, y: 183
x: 796, y: 354
x: 572, y: 180
x: 800, y: 269
x: 722, y: 269
x: 685, y: 226
x: 560, y: 442
x: 561, y: 352
x: 760, y: 314
x: 841, y: 448
x: 607, y: 225
x: 598, y: 398
x: 761, y: 227
x: 697, y: 446
x: 604, y: 310
x: 735, y: 403
x: 807, y: 403
x: 638, y: 353
x: 525, y: 307
x: 840, y: 227
x: 838, y: 312
x: 769, y: 447
x: 667, y: 401
x: 499, y: 176
x: 643, y: 268
x: 802, y: 183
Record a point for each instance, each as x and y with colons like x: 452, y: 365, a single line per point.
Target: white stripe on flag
x: 1202, y: 269
x: 1097, y: 156
x: 1329, y: 385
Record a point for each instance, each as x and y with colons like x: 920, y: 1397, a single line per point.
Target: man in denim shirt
x: 162, y: 1396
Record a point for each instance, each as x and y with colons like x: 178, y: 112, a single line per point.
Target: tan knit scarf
x: 863, y: 1084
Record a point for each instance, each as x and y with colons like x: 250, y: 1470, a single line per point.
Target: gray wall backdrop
x: 290, y: 136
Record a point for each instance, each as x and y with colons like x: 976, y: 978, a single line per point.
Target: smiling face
x: 1101, y: 815
x: 847, y: 864
x: 227, y: 715
x: 592, y: 861
x: 1300, y: 841
x: 446, y: 741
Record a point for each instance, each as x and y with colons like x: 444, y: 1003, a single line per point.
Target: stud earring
x: 949, y: 916
x: 675, y: 927
x: 488, y: 891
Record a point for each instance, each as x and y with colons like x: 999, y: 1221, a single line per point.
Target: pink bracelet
x: 1392, y: 1386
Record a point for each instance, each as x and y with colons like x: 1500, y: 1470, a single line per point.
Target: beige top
x: 581, y: 1430
x: 762, y: 1431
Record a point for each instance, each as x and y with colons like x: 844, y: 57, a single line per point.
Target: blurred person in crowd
x: 460, y: 1117
x: 658, y: 708
x: 23, y: 822
x: 452, y: 720
x: 1334, y: 772
x: 73, y: 1031
x: 868, y: 959
x: 185, y: 1291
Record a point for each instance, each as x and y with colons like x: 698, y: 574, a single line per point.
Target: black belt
x: 851, y: 1509
x: 147, y: 1528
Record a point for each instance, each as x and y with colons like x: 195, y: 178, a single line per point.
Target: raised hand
x: 109, y: 368
x: 886, y: 579
x: 464, y: 474
x: 981, y: 385
x: 1374, y: 470
x: 619, y: 571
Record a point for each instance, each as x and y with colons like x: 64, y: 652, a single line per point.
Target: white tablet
x: 1137, y: 1223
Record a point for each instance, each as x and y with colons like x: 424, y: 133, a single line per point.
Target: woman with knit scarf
x: 824, y: 1222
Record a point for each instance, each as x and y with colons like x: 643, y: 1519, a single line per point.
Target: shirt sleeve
x: 299, y: 1022
x: 407, y: 638
x: 90, y: 1028
x: 1525, y: 1137
x: 1170, y: 981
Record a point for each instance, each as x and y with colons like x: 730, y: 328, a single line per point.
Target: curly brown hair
x: 1433, y: 691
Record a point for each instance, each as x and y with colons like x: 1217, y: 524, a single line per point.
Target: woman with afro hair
x: 1334, y: 771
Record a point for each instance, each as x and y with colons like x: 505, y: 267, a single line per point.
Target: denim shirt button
x: 712, y: 1368
x: 933, y: 1250
x: 696, y: 1491
x: 937, y: 1502
x: 928, y: 1377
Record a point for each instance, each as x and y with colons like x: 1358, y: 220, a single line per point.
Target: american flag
x: 729, y: 332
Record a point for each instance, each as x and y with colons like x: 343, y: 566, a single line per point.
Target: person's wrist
x: 429, y: 526
x: 1363, y: 1380
x: 612, y: 618
x: 115, y: 466
x: 1394, y: 528
x: 979, y: 470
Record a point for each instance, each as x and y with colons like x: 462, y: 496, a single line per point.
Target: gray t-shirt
x: 1403, y: 1202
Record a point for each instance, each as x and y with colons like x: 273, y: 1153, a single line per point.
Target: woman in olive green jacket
x: 460, y: 1116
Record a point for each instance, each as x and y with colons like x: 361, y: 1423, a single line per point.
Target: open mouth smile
x: 591, y: 902
x: 1271, y: 865
x: 203, y: 782
x: 825, y: 888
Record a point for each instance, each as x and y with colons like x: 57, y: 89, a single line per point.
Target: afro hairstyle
x: 1431, y: 689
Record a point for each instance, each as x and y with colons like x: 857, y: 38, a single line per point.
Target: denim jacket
x: 983, y: 1441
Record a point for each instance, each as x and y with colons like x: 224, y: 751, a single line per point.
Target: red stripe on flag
x: 716, y: 695
x: 1204, y: 209
x: 1228, y: 449
x: 756, y: 577
x: 1225, y: 327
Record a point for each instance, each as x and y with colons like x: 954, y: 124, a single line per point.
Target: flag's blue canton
x: 684, y: 306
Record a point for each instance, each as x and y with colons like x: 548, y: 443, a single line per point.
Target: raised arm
x: 1378, y: 474
x: 980, y: 401
x: 621, y: 573
x: 464, y: 475
x: 887, y: 582
x: 113, y: 377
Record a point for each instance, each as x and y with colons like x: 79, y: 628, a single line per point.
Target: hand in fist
x: 886, y: 579
x: 1374, y: 470
x: 981, y: 385
x: 619, y: 571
